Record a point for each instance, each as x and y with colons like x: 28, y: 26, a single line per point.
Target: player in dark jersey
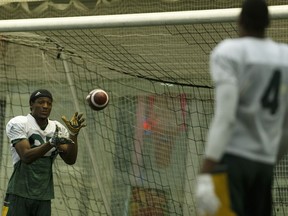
x: 248, y: 133
x: 35, y: 142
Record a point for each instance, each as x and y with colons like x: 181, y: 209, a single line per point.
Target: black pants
x: 250, y: 185
x: 20, y: 206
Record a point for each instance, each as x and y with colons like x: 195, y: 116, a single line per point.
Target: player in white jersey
x: 35, y: 142
x: 248, y: 133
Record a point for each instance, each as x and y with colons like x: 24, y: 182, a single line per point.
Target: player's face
x: 41, y: 107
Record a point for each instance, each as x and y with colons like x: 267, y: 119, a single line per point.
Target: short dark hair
x: 254, y: 15
x: 40, y: 93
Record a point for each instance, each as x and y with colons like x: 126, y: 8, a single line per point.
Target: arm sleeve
x: 223, y: 72
x: 222, y: 124
x: 15, y: 130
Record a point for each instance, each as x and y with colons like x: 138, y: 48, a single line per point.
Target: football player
x: 248, y: 133
x: 35, y: 142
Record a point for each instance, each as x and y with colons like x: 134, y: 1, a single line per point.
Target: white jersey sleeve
x: 16, y: 128
x: 222, y: 66
x: 224, y: 119
x: 223, y: 72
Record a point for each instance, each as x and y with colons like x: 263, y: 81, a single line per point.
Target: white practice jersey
x: 258, y: 68
x: 26, y: 127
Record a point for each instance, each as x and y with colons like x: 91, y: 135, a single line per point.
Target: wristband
x: 73, y: 134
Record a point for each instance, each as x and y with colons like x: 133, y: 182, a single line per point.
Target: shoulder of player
x: 228, y: 45
x: 283, y: 46
x: 237, y: 48
x: 18, y: 120
x: 17, y: 123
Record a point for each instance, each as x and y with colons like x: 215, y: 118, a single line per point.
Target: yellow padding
x: 220, y: 181
x: 4, y: 210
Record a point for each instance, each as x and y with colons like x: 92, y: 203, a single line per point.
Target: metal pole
x: 132, y: 20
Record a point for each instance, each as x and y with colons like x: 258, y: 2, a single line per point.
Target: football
x: 97, y: 99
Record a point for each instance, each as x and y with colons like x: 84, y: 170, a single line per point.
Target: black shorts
x: 20, y: 206
x: 250, y: 186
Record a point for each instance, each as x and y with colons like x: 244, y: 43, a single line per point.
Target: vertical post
x: 86, y: 138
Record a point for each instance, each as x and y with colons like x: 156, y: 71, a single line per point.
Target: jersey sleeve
x: 223, y: 71
x: 15, y: 129
x: 222, y: 66
x: 224, y: 119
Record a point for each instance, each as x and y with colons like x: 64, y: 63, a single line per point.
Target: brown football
x: 97, y: 99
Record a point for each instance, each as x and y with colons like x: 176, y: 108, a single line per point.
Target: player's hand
x: 58, y: 139
x: 206, y: 199
x: 75, y: 124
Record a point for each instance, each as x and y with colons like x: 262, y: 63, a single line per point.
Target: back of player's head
x: 254, y: 15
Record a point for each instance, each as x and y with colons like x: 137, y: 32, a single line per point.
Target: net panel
x: 141, y: 154
x: 174, y: 55
x: 139, y: 142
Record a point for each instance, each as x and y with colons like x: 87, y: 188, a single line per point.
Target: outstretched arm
x: 70, y: 151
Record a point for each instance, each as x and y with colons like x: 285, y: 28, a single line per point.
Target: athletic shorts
x: 20, y: 206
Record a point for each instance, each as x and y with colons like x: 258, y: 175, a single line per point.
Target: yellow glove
x: 75, y: 124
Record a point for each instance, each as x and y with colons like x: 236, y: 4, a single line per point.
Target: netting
x: 135, y: 147
x: 141, y: 154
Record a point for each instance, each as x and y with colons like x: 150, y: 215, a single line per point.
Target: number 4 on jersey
x: 269, y: 99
